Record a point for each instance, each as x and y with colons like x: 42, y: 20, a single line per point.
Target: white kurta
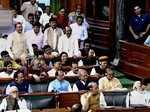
x: 17, y: 45
x: 32, y: 38
x: 79, y: 31
x: 69, y: 45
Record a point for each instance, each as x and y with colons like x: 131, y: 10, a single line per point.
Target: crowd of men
x: 45, y: 45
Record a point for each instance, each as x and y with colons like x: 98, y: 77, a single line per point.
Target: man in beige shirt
x: 109, y: 82
x: 29, y: 7
x: 17, y: 46
x: 52, y: 35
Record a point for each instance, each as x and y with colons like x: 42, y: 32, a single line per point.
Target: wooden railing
x: 135, y: 60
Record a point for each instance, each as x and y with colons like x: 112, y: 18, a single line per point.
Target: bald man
x: 82, y: 83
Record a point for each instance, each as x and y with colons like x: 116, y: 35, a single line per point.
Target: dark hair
x: 36, y: 24
x: 52, y: 19
x: 35, y: 45
x: 4, y: 53
x: 81, y: 17
x: 17, y: 72
x: 46, y: 47
x: 62, y: 54
x: 17, y: 24
x: 56, y: 74
x: 30, y: 14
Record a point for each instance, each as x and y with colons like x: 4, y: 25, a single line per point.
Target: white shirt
x: 71, y: 73
x: 69, y: 45
x: 21, y: 103
x: 51, y: 73
x: 3, y: 44
x: 32, y: 38
x: 44, y: 19
x: 6, y: 75
x: 79, y: 31
x: 136, y: 97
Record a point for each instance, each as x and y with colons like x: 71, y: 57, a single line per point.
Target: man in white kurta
x: 16, y: 46
x: 69, y: 44
x: 35, y: 36
x: 52, y: 35
x: 29, y: 7
x: 79, y: 30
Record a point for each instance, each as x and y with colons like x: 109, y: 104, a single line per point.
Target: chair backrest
x: 68, y: 99
x: 115, y: 98
x: 39, y: 87
x: 40, y: 100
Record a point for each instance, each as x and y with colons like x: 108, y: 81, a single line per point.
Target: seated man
x: 138, y: 26
x: 13, y: 102
x: 20, y: 82
x: 93, y: 99
x: 5, y: 58
x: 109, y: 82
x: 137, y: 96
x: 59, y: 84
x: 100, y: 70
x: 74, y: 70
x: 82, y: 83
x: 56, y: 66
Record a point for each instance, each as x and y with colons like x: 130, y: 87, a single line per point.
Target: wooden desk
x: 51, y: 110
x: 118, y: 109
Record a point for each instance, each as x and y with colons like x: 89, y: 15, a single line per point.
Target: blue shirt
x: 139, y: 23
x: 59, y: 86
x: 23, y: 87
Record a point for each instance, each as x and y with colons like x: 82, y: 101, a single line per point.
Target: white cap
x: 12, y: 89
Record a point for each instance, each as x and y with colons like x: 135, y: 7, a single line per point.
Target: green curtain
x: 55, y: 6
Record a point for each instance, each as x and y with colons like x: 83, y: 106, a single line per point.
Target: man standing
x: 29, y: 7
x: 69, y: 44
x: 52, y: 35
x: 79, y: 30
x: 17, y: 44
x: 138, y: 26
x: 35, y: 36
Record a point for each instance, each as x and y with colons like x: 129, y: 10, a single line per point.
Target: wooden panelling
x: 5, y: 3
x: 135, y: 59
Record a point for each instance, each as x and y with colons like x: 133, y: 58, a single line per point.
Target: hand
x: 142, y: 34
x: 136, y: 37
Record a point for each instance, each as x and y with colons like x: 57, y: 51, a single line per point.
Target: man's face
x: 60, y: 75
x: 137, y: 10
x: 31, y: 19
x: 109, y: 74
x: 33, y: 2
x: 36, y: 29
x: 57, y: 65
x: 79, y: 21
x: 75, y: 68
x: 83, y: 75
x: 19, y: 28
x: 14, y: 94
x: 53, y: 24
x: 103, y: 64
x: 64, y: 58
x: 20, y: 78
x: 68, y: 31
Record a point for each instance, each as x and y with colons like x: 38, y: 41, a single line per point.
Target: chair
x: 68, y: 99
x: 40, y: 100
x: 115, y: 98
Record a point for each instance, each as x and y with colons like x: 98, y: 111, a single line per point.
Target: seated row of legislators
x: 91, y: 99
